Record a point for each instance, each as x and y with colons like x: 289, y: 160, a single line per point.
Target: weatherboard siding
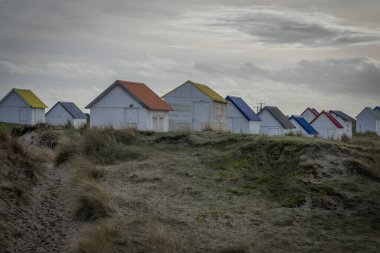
x: 119, y: 110
x: 365, y: 122
x: 193, y: 110
x: 326, y: 128
x: 59, y: 116
x: 269, y: 125
x: 15, y: 110
x: 346, y: 124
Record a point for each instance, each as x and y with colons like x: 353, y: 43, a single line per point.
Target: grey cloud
x: 284, y: 27
x: 330, y: 76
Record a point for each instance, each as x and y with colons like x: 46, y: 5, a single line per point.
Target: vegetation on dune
x: 205, y: 191
x: 90, y: 199
x: 107, y: 146
x: 19, y: 171
x: 273, y: 167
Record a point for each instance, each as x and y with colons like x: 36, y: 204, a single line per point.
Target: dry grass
x: 105, y: 237
x: 91, y: 201
x: 19, y: 171
x: 139, y: 236
x: 65, y: 152
x: 345, y: 139
x: 84, y: 169
x: 108, y: 146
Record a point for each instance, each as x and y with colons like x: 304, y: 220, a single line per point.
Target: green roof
x: 30, y: 98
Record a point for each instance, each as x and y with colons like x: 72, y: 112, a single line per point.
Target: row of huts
x: 190, y: 106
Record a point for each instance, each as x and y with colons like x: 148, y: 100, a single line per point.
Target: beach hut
x: 240, y: 117
x: 63, y: 112
x: 345, y: 120
x: 368, y: 120
x: 196, y: 107
x: 327, y: 126
x: 22, y: 107
x: 126, y: 104
x: 309, y: 114
x: 274, y: 122
x: 302, y: 126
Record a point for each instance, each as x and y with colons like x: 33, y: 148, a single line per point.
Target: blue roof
x: 239, y: 103
x: 304, y: 124
x: 377, y: 108
x: 73, y: 110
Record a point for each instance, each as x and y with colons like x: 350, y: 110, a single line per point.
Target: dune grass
x: 19, y: 171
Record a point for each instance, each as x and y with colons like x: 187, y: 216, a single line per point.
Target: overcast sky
x: 288, y: 53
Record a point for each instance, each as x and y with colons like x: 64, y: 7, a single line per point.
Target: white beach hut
x: 368, y: 120
x: 240, y: 117
x: 274, y: 122
x: 22, y: 107
x: 327, y: 126
x: 196, y: 107
x: 63, y: 112
x: 127, y: 104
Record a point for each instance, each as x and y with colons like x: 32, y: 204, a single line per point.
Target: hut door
x: 23, y: 115
x: 131, y: 116
x: 201, y: 115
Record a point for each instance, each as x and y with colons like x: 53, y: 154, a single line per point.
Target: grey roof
x: 72, y: 109
x: 375, y: 113
x: 279, y: 116
x: 343, y: 116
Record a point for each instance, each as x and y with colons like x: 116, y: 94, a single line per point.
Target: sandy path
x: 45, y: 224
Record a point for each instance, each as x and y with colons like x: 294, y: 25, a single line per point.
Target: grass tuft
x: 65, y: 152
x: 108, y: 146
x: 91, y: 201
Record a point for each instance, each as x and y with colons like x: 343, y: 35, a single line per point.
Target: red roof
x: 330, y: 117
x: 145, y: 95
x: 138, y: 91
x: 313, y: 111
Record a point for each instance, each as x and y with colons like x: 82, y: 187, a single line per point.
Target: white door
x: 331, y: 134
x: 131, y: 117
x: 23, y: 112
x: 201, y: 115
x: 230, y: 124
x: 274, y: 131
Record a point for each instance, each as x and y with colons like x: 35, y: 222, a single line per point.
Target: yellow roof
x: 209, y: 92
x: 205, y: 90
x: 30, y: 98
